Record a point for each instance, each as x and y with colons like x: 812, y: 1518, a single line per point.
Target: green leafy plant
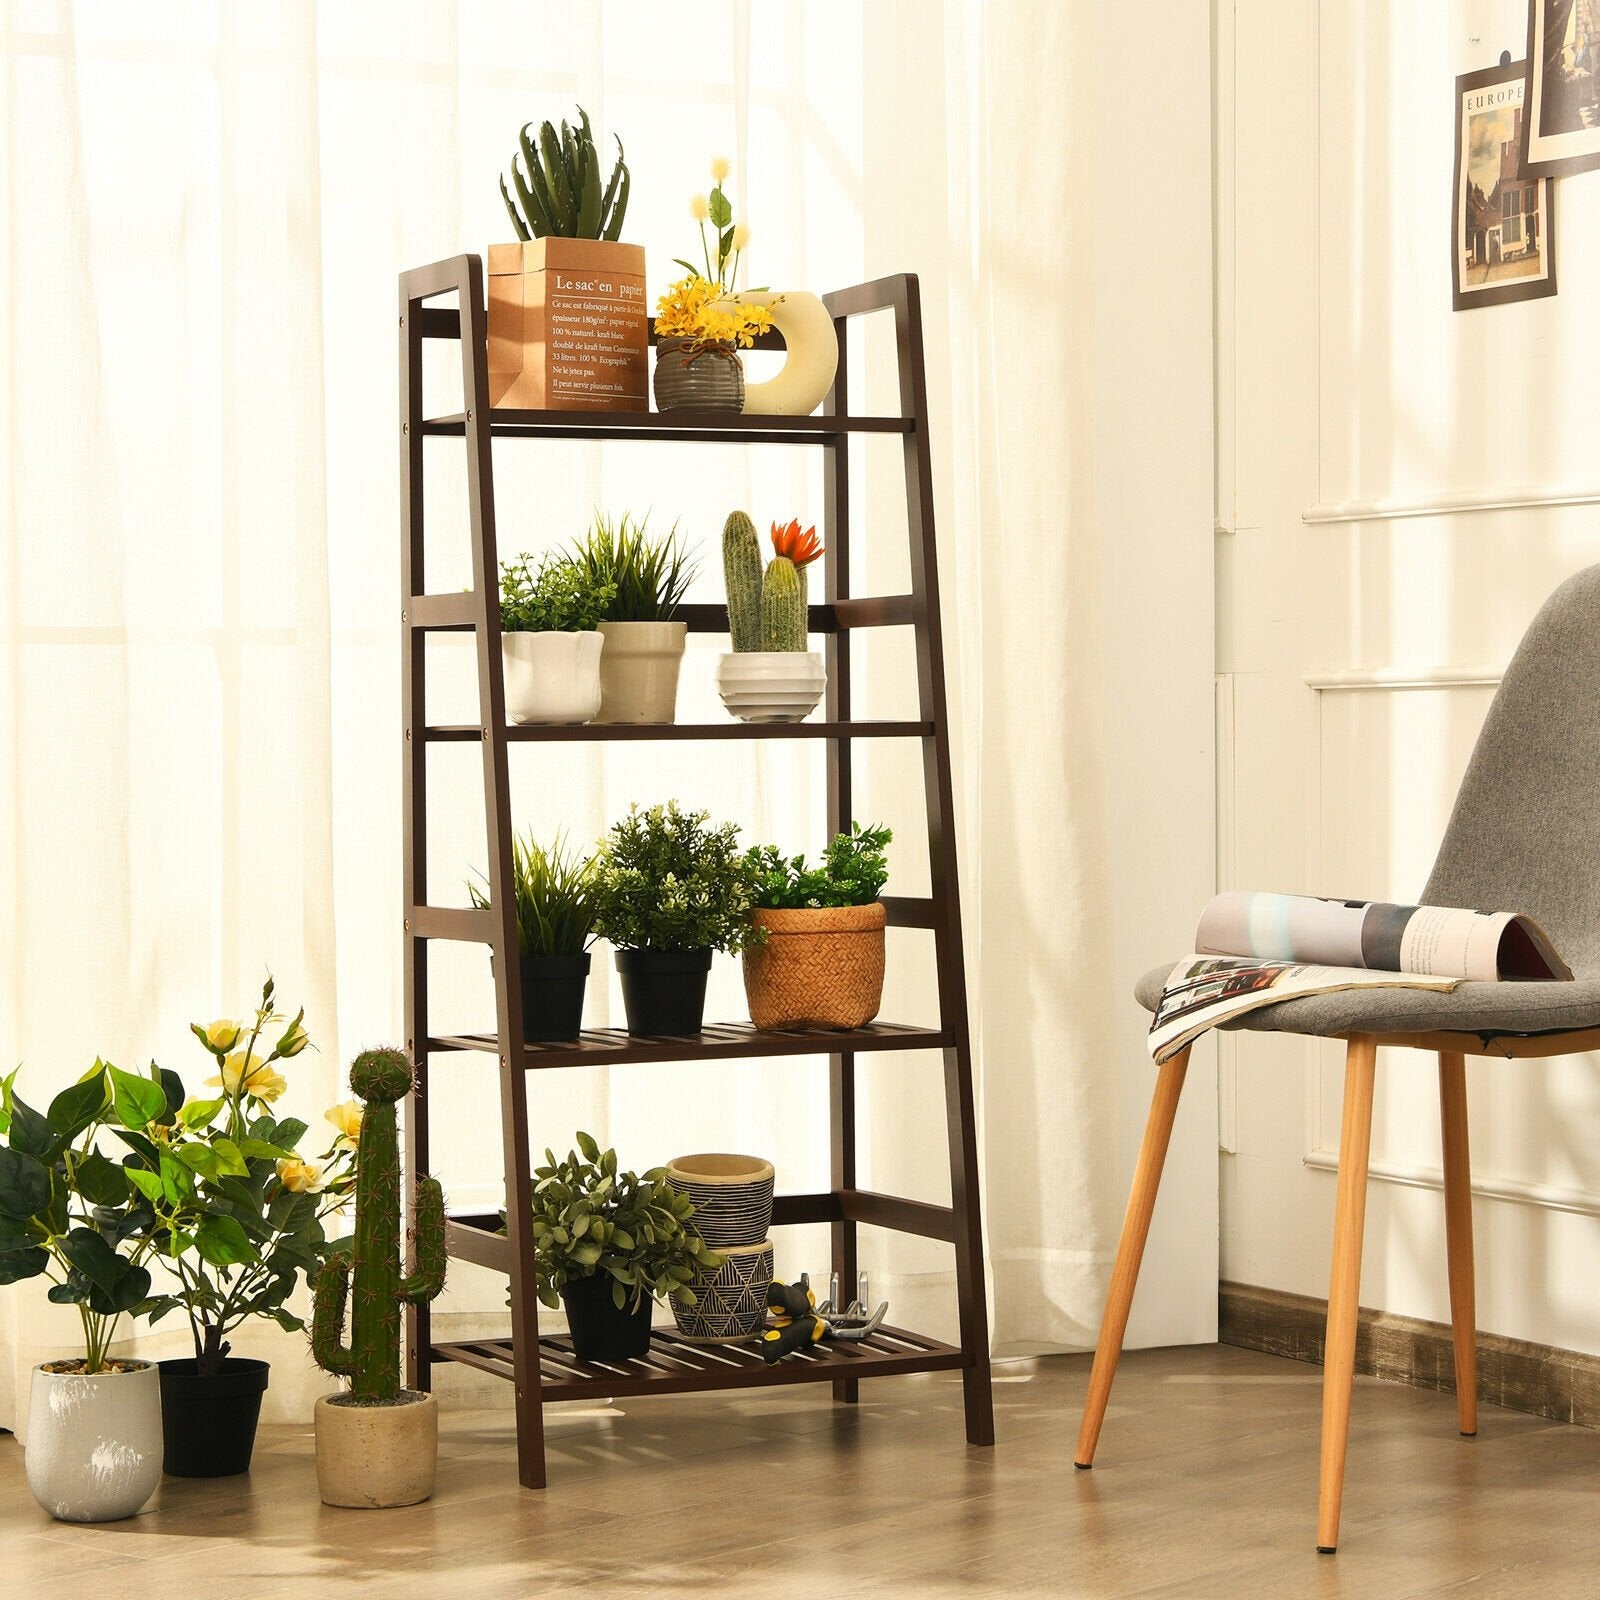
x: 559, y: 595
x: 589, y: 1219
x: 560, y: 191
x: 854, y: 870
x: 236, y: 1213
x: 648, y: 577
x: 369, y: 1261
x: 665, y: 880
x: 67, y: 1210
x: 555, y: 897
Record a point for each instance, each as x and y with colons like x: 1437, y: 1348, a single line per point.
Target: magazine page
x: 1441, y: 941
x: 1203, y: 990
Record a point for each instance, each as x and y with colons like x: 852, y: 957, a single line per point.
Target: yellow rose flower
x: 299, y: 1177
x: 294, y: 1040
x: 249, y: 1073
x: 719, y: 168
x: 220, y: 1036
x: 741, y: 235
x: 346, y: 1117
x: 699, y: 208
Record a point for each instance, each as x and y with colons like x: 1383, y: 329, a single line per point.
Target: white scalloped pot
x: 811, y: 354
x: 771, y: 685
x: 551, y: 677
x: 94, y: 1443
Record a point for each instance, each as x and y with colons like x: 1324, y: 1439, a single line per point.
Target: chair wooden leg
x: 1130, y: 1251
x: 1458, y: 1233
x: 1350, y: 1215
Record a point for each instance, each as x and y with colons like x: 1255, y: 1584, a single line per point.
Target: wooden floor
x: 1206, y: 1486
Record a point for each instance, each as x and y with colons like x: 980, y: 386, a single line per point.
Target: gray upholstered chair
x: 1524, y: 836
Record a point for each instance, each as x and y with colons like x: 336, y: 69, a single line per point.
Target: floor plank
x: 1205, y: 1486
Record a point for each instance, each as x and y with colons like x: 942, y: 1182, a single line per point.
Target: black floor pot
x: 600, y: 1332
x: 552, y: 996
x: 208, y: 1424
x: 664, y: 991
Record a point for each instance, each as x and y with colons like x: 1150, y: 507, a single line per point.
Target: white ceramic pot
x: 94, y: 1443
x: 551, y: 677
x: 811, y: 354
x: 771, y: 685
x: 372, y: 1456
x: 639, y: 671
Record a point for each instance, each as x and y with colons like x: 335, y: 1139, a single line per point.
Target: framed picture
x: 1504, y: 236
x: 1561, y: 132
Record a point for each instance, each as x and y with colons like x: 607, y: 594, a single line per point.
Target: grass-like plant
x: 648, y: 576
x: 561, y: 192
x: 854, y: 870
x: 590, y: 1220
x: 555, y: 895
x: 666, y: 880
x: 558, y: 595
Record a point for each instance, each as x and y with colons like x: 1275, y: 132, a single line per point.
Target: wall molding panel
x: 1518, y: 1191
x: 1398, y: 509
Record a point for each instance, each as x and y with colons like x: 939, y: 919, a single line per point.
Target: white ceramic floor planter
x: 639, y: 671
x: 771, y: 685
x: 552, y: 677
x: 94, y: 1443
x: 373, y: 1456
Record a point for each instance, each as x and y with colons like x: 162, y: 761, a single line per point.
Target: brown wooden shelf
x: 698, y: 427
x: 608, y: 1047
x: 675, y: 1365
x: 635, y: 732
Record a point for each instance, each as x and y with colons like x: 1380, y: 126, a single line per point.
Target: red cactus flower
x: 800, y: 548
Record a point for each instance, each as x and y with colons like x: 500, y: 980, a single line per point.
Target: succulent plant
x: 784, y: 605
x: 741, y: 568
x: 561, y: 192
x: 371, y: 1258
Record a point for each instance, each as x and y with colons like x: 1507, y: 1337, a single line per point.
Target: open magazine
x: 1256, y: 950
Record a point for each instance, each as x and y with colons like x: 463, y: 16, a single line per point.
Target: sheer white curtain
x: 205, y: 209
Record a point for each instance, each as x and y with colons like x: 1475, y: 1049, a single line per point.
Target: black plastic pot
x: 600, y: 1332
x: 664, y: 991
x: 552, y: 996
x: 208, y: 1424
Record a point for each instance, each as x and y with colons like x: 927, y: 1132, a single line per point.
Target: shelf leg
x: 846, y: 1261
x: 972, y: 1299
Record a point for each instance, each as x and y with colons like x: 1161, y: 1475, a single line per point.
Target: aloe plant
x: 558, y: 185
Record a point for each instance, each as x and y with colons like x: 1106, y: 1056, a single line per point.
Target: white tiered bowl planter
x: 94, y: 1443
x: 551, y: 677
x: 771, y: 685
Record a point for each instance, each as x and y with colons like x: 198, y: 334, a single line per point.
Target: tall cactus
x: 741, y: 568
x: 783, y: 606
x: 371, y: 1258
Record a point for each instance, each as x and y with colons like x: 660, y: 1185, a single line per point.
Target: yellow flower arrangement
x: 300, y: 1177
x: 695, y: 314
x: 246, y: 1073
x: 346, y: 1117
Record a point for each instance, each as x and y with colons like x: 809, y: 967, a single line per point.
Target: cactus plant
x: 561, y: 193
x: 784, y: 605
x: 741, y: 568
x: 371, y: 1258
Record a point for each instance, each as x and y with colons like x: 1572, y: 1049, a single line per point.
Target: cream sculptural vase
x: 811, y: 355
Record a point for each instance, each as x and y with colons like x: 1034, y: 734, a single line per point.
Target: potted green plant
x: 567, y: 308
x: 68, y: 1213
x: 670, y: 889
x: 237, y: 1218
x: 648, y: 578
x: 555, y: 926
x: 377, y: 1443
x: 819, y: 960
x: 608, y: 1243
x: 769, y: 675
x: 550, y: 641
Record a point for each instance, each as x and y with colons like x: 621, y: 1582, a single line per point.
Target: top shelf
x: 697, y: 426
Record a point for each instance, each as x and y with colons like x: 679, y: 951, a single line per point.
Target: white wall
x: 1344, y: 378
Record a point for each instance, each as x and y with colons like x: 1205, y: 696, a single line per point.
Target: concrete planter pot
x: 639, y: 671
x: 94, y: 1442
x: 373, y: 1456
x: 551, y: 677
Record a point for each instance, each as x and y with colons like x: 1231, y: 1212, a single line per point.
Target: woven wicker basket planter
x: 820, y: 968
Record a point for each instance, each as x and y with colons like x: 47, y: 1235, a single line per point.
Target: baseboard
x: 1540, y: 1379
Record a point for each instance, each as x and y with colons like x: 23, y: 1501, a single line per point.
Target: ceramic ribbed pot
x: 94, y: 1442
x: 639, y: 671
x: 732, y: 1196
x: 709, y: 379
x: 771, y: 685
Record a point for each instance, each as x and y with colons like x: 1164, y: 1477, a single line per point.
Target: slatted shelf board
x: 674, y: 1365
x: 722, y: 1042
